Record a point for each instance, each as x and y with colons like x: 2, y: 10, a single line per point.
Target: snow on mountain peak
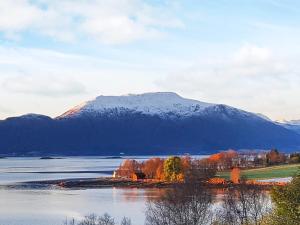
x: 157, y: 103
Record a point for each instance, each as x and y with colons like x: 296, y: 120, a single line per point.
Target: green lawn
x: 267, y: 172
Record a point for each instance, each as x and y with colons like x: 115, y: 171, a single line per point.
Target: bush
x: 287, y: 203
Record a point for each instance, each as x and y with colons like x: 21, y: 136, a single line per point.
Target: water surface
x: 19, y: 206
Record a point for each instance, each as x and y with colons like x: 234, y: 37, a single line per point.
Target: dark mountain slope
x: 110, y: 132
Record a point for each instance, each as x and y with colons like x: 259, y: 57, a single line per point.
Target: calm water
x: 53, y: 206
x: 38, y: 207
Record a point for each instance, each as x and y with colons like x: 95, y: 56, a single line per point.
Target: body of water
x: 52, y: 206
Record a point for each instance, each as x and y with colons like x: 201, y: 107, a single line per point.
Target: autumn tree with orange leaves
x: 225, y: 160
x: 152, y: 168
x: 128, y: 167
x: 235, y: 175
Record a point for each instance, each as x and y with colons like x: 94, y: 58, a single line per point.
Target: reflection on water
x: 38, y: 207
x: 134, y: 194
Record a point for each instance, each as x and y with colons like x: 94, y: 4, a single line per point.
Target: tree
x: 186, y: 204
x: 106, y: 219
x: 151, y: 166
x: 126, y: 221
x: 89, y: 220
x: 235, y: 175
x: 186, y: 163
x: 172, y: 168
x: 160, y: 172
x: 274, y: 157
x: 243, y: 205
x: 200, y: 170
x: 287, y: 203
x: 127, y: 168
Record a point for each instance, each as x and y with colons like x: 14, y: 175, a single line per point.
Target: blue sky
x: 56, y: 54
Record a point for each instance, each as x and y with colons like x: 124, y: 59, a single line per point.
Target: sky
x: 55, y: 54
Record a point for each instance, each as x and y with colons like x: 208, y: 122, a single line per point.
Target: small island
x: 49, y: 157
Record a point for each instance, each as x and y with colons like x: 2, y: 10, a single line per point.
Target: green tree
x: 172, y: 168
x: 287, y: 203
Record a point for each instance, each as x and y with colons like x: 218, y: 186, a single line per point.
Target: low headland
x: 220, y: 170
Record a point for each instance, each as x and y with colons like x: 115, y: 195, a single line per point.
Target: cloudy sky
x: 55, y: 54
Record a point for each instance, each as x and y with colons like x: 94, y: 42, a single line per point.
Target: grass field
x: 267, y: 172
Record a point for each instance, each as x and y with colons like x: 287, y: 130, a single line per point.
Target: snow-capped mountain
x: 151, y: 123
x: 160, y: 103
x: 167, y: 105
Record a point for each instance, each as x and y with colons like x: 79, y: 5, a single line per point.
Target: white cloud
x: 250, y: 54
x: 50, y: 82
x: 109, y: 21
x: 252, y: 78
x: 17, y: 15
x: 43, y: 86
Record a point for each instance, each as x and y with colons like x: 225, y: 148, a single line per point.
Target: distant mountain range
x: 145, y: 124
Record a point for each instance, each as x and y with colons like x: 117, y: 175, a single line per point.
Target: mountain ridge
x: 152, y: 123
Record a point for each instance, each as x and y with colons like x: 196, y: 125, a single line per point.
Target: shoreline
x: 109, y: 182
x: 100, y: 182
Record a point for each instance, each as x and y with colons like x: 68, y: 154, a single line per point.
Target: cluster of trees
x: 173, y: 168
x: 93, y: 219
x: 229, y: 159
x: 183, y: 205
x: 225, y: 160
x: 243, y: 205
x: 183, y: 168
x: 152, y: 168
x: 194, y: 205
x: 274, y: 157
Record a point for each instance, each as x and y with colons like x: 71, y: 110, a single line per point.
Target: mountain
x: 163, y: 104
x: 151, y: 123
x: 293, y: 125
